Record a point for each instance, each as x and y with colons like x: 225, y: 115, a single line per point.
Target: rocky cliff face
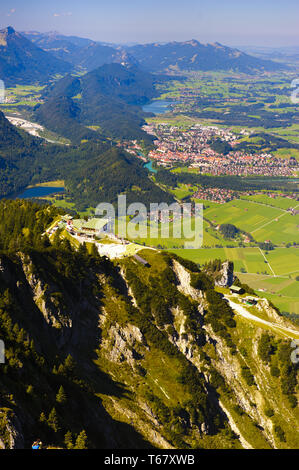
x: 225, y: 277
x: 153, y: 363
x: 11, y: 431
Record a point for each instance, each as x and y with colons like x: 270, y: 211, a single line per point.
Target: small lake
x: 149, y: 166
x: 37, y: 191
x: 158, y: 106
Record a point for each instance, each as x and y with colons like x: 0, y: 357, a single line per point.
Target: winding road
x: 285, y: 331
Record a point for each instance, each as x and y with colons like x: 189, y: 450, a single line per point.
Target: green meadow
x: 259, y: 217
x: 281, y: 230
x: 249, y: 259
x: 281, y: 291
x: 278, y: 201
x: 283, y: 262
x: 251, y: 268
x: 287, y: 153
x: 245, y: 215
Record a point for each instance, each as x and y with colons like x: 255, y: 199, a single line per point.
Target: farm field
x: 290, y: 133
x: 245, y: 215
x: 287, y: 153
x: 211, y: 238
x: 250, y: 259
x: 263, y: 221
x: 283, y: 229
x: 22, y: 95
x: 278, y: 201
x: 284, y: 261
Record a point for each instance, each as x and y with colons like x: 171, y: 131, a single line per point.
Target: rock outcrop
x: 225, y: 277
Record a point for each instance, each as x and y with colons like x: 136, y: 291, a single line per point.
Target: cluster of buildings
x: 173, y: 144
x: 240, y: 164
x: 96, y: 231
x: 285, y: 195
x: 91, y: 228
x: 81, y: 228
x: 248, y: 300
x: 194, y: 147
x: 216, y: 195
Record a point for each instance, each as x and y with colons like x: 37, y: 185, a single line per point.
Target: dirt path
x: 263, y: 255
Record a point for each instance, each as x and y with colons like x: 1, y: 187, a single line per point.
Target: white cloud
x: 69, y: 13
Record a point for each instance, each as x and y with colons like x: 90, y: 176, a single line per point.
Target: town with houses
x: 191, y: 148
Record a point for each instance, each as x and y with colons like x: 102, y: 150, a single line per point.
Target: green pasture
x: 277, y: 201
x: 280, y: 230
x: 282, y: 289
x: 248, y: 259
x: 245, y: 215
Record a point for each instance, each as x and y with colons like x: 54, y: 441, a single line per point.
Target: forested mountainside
x: 120, y: 355
x: 108, y: 98
x: 21, y: 61
x: 93, y: 171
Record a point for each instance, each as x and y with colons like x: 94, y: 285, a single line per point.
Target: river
x: 149, y: 166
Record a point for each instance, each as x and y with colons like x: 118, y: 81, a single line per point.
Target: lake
x: 158, y: 106
x: 37, y: 191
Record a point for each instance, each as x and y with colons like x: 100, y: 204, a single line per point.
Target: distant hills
x: 80, y: 52
x: 192, y: 56
x: 108, y: 97
x: 173, y: 56
x: 21, y: 61
x: 287, y: 54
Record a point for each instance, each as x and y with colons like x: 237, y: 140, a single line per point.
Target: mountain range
x: 23, y: 62
x: 37, y: 57
x: 167, y: 57
x: 192, y: 56
x: 80, y: 52
x: 147, y: 351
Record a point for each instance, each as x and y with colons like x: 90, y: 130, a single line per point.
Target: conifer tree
x: 82, y: 250
x: 42, y: 418
x: 61, y: 396
x: 94, y: 251
x: 68, y: 440
x: 81, y: 441
x: 53, y: 420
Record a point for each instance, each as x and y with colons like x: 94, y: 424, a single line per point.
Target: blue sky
x: 231, y: 22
